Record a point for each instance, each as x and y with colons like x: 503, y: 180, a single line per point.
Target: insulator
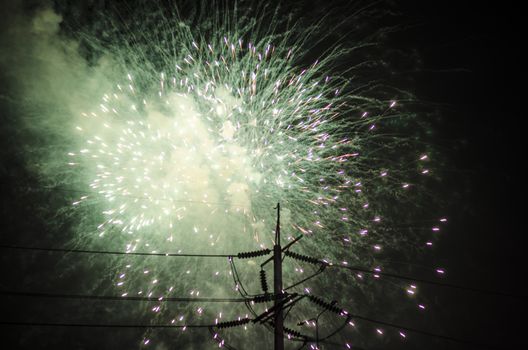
x: 325, y: 304
x: 263, y: 282
x: 229, y: 324
x: 246, y: 255
x: 301, y: 257
x: 293, y: 333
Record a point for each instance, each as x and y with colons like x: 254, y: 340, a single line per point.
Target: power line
x: 85, y: 251
x: 102, y: 325
x: 241, y: 255
x: 336, y: 310
x: 123, y: 298
x: 323, y: 263
x: 245, y: 299
x: 318, y: 272
x: 422, y: 332
x: 176, y: 299
x: 92, y: 325
x: 436, y: 283
x: 169, y: 299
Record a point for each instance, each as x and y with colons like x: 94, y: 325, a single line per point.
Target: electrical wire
x: 350, y: 316
x: 120, y: 298
x: 242, y: 291
x: 435, y: 283
x: 352, y: 268
x: 313, y: 260
x: 422, y: 332
x: 100, y: 325
x: 321, y: 269
x: 85, y: 251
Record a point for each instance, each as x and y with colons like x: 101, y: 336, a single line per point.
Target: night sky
x: 463, y: 61
x: 485, y: 240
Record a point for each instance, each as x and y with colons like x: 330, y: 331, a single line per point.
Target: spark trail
x: 208, y: 124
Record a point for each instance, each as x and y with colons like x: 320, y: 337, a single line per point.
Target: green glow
x: 200, y: 132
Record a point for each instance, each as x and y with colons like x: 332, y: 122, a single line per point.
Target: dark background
x: 468, y: 67
x: 471, y: 60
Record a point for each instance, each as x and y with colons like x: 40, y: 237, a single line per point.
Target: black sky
x: 472, y: 67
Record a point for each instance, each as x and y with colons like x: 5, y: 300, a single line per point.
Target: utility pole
x: 277, y: 286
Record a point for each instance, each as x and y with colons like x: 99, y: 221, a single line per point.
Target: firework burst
x: 211, y: 121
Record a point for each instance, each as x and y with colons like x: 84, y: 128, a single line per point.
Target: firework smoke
x: 179, y: 133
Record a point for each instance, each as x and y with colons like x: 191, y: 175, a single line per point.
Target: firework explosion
x: 210, y: 122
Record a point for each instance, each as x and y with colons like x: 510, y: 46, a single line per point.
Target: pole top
x: 277, y: 228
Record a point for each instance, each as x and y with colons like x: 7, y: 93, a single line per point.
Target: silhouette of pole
x: 277, y: 286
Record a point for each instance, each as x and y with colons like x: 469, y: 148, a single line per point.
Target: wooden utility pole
x: 277, y: 286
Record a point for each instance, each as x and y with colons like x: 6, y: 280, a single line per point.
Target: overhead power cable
x: 265, y: 252
x: 123, y: 298
x: 422, y: 332
x: 313, y: 260
x: 86, y: 251
x: 435, y: 283
x: 114, y: 325
x: 349, y: 316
